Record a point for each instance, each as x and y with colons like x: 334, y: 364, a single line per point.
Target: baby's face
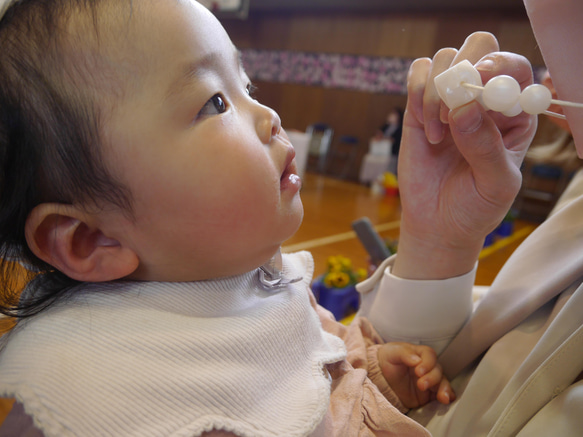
x: 210, y: 170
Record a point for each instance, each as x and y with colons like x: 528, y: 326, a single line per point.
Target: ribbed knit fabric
x: 175, y: 359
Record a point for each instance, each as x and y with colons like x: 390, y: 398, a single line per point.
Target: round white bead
x: 535, y: 99
x: 516, y: 109
x: 501, y: 93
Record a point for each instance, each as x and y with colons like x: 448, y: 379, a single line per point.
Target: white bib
x: 175, y: 359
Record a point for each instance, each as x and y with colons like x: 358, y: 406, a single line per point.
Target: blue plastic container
x: 339, y: 301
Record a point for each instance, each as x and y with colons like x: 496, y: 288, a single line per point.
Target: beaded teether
x: 462, y: 83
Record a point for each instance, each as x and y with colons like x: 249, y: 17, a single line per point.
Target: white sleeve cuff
x: 427, y: 312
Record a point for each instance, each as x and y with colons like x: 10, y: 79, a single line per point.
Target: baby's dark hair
x: 51, y: 136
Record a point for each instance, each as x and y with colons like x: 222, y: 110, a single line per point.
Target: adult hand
x: 459, y: 171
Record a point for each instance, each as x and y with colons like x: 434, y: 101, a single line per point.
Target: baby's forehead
x: 95, y: 57
x: 139, y: 54
x: 123, y: 44
x: 134, y: 31
x: 111, y: 44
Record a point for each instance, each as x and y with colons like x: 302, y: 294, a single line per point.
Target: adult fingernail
x: 435, y: 131
x: 485, y: 65
x: 468, y: 119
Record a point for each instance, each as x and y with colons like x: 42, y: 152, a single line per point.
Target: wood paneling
x: 516, y: 36
x: 382, y: 34
x: 407, y: 37
x: 453, y: 29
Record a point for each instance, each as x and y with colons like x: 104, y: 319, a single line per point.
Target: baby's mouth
x: 290, y: 172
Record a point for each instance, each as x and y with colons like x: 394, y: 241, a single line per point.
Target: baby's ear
x: 64, y: 237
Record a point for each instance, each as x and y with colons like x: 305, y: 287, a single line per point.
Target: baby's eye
x: 215, y: 105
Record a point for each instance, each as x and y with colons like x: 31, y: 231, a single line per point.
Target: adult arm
x: 459, y: 174
x: 459, y: 170
x: 428, y: 312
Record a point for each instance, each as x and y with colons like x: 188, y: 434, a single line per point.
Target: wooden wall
x: 408, y: 36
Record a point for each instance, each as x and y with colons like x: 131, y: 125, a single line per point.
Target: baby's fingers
x: 397, y: 353
x: 436, y: 382
x: 430, y: 379
x: 445, y: 393
x: 428, y: 360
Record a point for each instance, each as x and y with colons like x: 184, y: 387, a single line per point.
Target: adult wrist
x: 424, y: 258
x: 426, y: 312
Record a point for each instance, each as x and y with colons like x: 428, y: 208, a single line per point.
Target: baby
x: 149, y: 193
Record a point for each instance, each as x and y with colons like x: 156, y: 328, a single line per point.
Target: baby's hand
x: 414, y: 374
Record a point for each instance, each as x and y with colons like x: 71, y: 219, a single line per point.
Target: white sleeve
x: 422, y: 312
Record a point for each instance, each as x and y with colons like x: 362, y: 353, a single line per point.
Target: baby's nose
x: 269, y: 124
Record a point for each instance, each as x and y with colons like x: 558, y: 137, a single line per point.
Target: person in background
x: 393, y: 131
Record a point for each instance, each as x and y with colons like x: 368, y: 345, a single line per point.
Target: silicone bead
x: 449, y: 84
x: 501, y: 93
x: 535, y: 99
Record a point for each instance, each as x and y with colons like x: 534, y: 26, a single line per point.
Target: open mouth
x: 290, y: 171
x: 290, y: 165
x: 289, y: 175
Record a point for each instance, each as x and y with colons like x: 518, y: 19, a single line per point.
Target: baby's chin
x: 298, y: 215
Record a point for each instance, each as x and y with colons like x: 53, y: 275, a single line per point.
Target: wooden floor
x: 330, y: 206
